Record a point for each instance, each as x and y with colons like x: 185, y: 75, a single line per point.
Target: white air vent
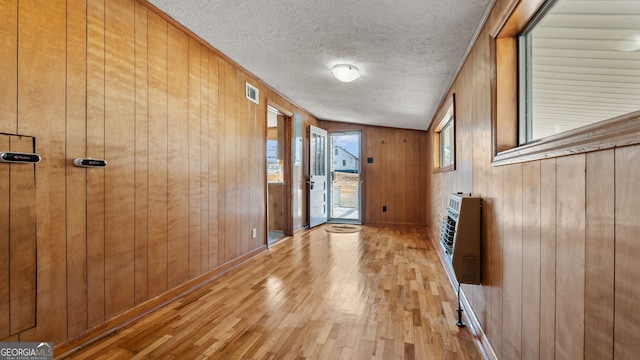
x: 253, y: 93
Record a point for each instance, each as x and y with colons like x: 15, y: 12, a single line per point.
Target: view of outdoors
x: 345, y: 184
x: 274, y: 165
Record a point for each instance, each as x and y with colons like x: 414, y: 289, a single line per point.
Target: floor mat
x: 342, y: 228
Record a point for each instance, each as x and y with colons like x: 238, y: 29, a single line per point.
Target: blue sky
x: 348, y: 142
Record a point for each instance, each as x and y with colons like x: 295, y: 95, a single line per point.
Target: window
x: 446, y: 144
x: 567, y: 78
x: 444, y: 138
x: 578, y: 66
x: 274, y: 165
x: 344, y: 162
x: 318, y: 150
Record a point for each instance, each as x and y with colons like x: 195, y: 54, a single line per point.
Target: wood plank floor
x: 377, y: 294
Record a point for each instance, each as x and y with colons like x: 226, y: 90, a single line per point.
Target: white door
x: 318, y: 211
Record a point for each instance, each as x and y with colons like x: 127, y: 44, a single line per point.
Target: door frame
x: 360, y: 219
x: 288, y: 172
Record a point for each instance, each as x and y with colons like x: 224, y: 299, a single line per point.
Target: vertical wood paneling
x: 547, y: 258
x: 141, y: 151
x: 600, y: 256
x: 214, y: 156
x: 204, y: 159
x: 259, y: 171
x: 512, y: 261
x: 256, y: 124
x: 496, y: 267
x: 481, y: 157
x: 95, y: 149
x: 399, y: 167
x: 178, y: 152
x: 570, y: 257
x: 467, y: 122
x: 387, y: 156
x: 464, y: 131
x: 22, y: 239
x: 223, y: 173
x: 531, y: 261
x: 243, y: 221
x: 158, y: 135
x: 372, y: 198
x: 112, y: 80
x: 230, y: 163
x: 413, y: 182
x: 424, y: 181
x: 256, y: 170
x: 195, y: 182
x: 577, y: 277
x: 9, y: 67
x: 397, y: 177
x: 41, y: 111
x: 627, y: 253
x: 5, y: 313
x: 119, y: 144
x: 76, y: 123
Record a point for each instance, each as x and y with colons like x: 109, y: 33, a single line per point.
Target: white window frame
x: 446, y: 117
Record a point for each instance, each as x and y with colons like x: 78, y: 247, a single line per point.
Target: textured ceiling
x: 407, y: 50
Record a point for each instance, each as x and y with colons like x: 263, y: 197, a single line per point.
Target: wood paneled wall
x: 275, y: 197
x: 185, y: 182
x: 560, y: 278
x: 397, y: 178
x: 17, y: 240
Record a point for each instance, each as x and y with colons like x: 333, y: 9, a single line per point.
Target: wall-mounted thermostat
x: 16, y: 157
x: 89, y: 162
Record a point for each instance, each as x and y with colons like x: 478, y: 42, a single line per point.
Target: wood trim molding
x: 515, y: 17
x: 128, y: 317
x: 444, y: 169
x: 280, y: 108
x: 481, y: 338
x: 617, y: 132
x: 191, y: 34
x: 504, y: 16
x: 442, y: 112
x: 506, y: 121
x: 403, y: 225
x: 439, y: 121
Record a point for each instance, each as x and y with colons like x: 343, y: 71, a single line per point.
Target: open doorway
x: 345, y: 183
x: 279, y: 224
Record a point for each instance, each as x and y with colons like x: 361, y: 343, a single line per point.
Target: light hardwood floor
x: 377, y: 294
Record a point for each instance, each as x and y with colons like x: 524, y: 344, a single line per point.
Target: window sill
x: 444, y: 169
x: 620, y: 131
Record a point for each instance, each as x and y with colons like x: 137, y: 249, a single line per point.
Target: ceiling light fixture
x: 345, y: 72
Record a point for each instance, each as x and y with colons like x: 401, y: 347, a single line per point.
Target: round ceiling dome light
x: 345, y: 72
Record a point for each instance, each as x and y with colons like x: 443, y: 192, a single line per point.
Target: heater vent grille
x: 253, y: 93
x: 460, y: 237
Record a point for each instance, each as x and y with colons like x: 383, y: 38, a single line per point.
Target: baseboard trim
x: 473, y: 324
x: 391, y: 224
x: 121, y: 321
